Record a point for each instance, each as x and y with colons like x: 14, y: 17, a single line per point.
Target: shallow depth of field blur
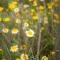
x: 28, y: 29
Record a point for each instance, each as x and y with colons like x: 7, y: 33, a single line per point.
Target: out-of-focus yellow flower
x: 6, y: 19
x: 14, y: 31
x: 17, y: 59
x: 30, y: 33
x: 50, y: 5
x: 56, y: 21
x: 41, y: 7
x: 14, y: 48
x: 56, y: 0
x: 24, y: 56
x: 56, y: 16
x: 17, y: 15
x: 34, y: 17
x: 5, y: 30
x: 53, y: 52
x: 30, y: 0
x: 45, y: 20
x: 1, y: 9
x: 34, y: 3
x: 26, y: 5
x: 0, y: 19
x: 32, y: 10
x: 23, y: 47
x: 42, y: 28
x: 1, y: 49
x: 3, y: 59
x: 12, y: 5
x: 44, y: 58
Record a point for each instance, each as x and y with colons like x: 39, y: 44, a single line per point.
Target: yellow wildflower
x: 3, y: 59
x: 56, y: 16
x: 34, y: 3
x: 1, y: 50
x: 5, y: 30
x: 45, y: 20
x: 30, y: 33
x: 41, y: 7
x: 24, y: 56
x: 50, y: 5
x: 6, y: 19
x: 1, y: 9
x: 23, y: 47
x: 53, y: 52
x: 44, y: 58
x: 30, y: 0
x: 17, y: 15
x: 0, y: 19
x: 14, y: 31
x: 34, y: 17
x: 14, y: 48
x: 12, y: 5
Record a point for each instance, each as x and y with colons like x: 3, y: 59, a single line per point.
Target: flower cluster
x: 23, y: 23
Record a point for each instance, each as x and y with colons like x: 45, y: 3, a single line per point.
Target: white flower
x: 14, y: 48
x: 26, y: 24
x: 24, y: 56
x: 5, y: 30
x: 14, y: 31
x: 30, y: 33
x: 44, y: 58
x: 17, y: 21
x: 16, y: 10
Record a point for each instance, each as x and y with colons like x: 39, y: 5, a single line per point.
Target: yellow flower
x: 30, y: 0
x: 14, y: 31
x: 34, y: 3
x: 32, y: 10
x: 5, y: 30
x: 6, y: 19
x: 56, y: 0
x: 17, y: 59
x: 23, y: 47
x: 14, y: 48
x: 1, y: 50
x: 3, y: 59
x: 41, y: 7
x: 17, y: 15
x: 56, y: 16
x: 50, y: 5
x: 1, y: 9
x: 42, y: 28
x: 0, y: 19
x: 34, y: 17
x: 30, y: 33
x: 12, y: 5
x: 24, y: 56
x: 44, y: 58
x: 45, y: 20
x: 53, y: 52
